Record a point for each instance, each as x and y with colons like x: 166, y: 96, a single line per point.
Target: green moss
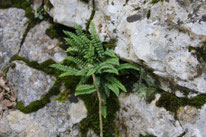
x: 45, y: 66
x: 200, y: 52
x: 172, y: 103
x: 92, y: 120
x: 48, y: 5
x: 86, y: 1
x: 111, y: 44
x: 91, y: 16
x: 38, y: 104
x: 52, y: 32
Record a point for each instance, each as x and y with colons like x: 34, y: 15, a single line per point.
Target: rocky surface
x: 30, y: 84
x: 51, y: 121
x: 136, y: 117
x: 193, y: 121
x: 156, y: 36
x: 39, y: 47
x: 12, y: 26
x: 76, y: 11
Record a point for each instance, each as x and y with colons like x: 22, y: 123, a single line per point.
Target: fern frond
x: 114, y: 71
x: 77, y: 61
x: 113, y: 61
x: 96, y: 41
x: 72, y: 49
x: 82, y: 72
x: 91, y: 71
x: 83, y: 80
x: 113, y: 87
x: 110, y: 53
x: 78, y: 30
x: 84, y: 89
x: 103, y: 67
x: 116, y: 82
x: 64, y: 68
x: 128, y: 66
x: 75, y: 38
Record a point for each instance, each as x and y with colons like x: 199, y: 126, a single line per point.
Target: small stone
x: 29, y: 83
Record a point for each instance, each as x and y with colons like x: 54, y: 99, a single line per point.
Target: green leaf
x: 83, y: 92
x: 110, y: 53
x: 84, y: 89
x: 66, y: 74
x: 113, y: 61
x: 77, y: 61
x: 116, y: 82
x: 128, y: 66
x: 114, y: 88
x: 104, y: 111
x: 64, y: 68
x: 111, y: 70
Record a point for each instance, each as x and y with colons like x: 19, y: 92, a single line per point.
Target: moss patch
x: 70, y: 83
x: 200, y: 52
x: 92, y: 120
x: 172, y: 103
x: 86, y: 1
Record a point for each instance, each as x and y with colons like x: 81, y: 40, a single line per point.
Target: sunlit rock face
x: 40, y: 47
x: 13, y: 24
x: 69, y: 11
x: 136, y: 117
x: 157, y: 36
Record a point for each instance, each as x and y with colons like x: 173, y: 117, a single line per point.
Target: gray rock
x: 12, y: 27
x: 157, y: 36
x: 77, y: 11
x: 55, y: 119
x: 39, y: 47
x: 193, y: 121
x: 29, y: 83
x: 137, y: 117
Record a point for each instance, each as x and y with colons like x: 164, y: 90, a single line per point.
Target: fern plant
x: 96, y: 63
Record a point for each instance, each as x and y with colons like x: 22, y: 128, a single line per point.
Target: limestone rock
x: 29, y: 83
x: 156, y: 36
x: 137, y: 117
x: 193, y: 121
x: 39, y: 47
x: 12, y: 26
x: 69, y: 11
x: 51, y: 121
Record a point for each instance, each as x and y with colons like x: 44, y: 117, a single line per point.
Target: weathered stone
x: 77, y: 112
x: 69, y: 11
x: 51, y: 121
x: 29, y: 83
x: 193, y: 121
x: 12, y: 27
x: 39, y: 47
x: 157, y: 36
x: 137, y: 117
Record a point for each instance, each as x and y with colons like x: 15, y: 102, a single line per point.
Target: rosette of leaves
x: 97, y: 67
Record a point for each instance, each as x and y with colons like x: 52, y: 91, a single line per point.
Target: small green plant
x: 155, y: 1
x: 97, y: 67
x: 39, y: 12
x: 145, y: 87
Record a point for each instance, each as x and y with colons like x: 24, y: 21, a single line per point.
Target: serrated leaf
x: 110, y: 53
x: 114, y: 88
x: 116, y: 82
